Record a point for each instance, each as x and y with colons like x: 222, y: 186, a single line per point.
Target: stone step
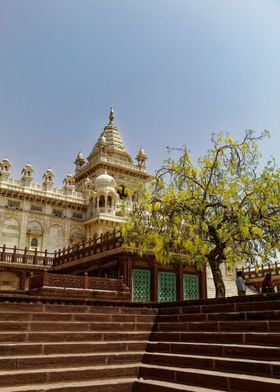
x: 86, y: 347
x: 60, y: 336
x: 223, y: 326
x: 259, y: 338
x: 74, y: 326
x: 147, y: 385
x: 79, y: 317
x: 233, y: 365
x: 210, y: 379
x: 78, y: 309
x: 235, y: 316
x: 256, y: 303
x: 221, y: 350
x: 12, y: 378
x: 114, y: 384
x: 69, y: 360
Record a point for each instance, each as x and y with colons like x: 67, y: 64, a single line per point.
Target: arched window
x: 102, y: 201
x: 34, y: 243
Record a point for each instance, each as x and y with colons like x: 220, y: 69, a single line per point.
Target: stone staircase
x: 77, y: 348
x: 208, y: 347
x: 230, y: 344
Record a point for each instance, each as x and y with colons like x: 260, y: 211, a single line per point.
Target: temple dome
x: 27, y: 170
x: 104, y: 181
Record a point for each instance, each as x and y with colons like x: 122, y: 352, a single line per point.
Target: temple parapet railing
x: 254, y: 276
x: 26, y: 256
x: 38, y: 189
x: 95, y: 245
x: 259, y: 272
x: 114, y: 161
x: 88, y: 248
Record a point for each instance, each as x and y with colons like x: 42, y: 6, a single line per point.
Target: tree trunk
x: 218, y: 279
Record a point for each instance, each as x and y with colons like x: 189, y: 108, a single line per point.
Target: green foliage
x: 224, y: 209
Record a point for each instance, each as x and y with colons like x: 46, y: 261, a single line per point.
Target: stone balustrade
x: 84, y: 282
x: 114, y: 161
x: 91, y: 247
x: 26, y: 257
x: 254, y: 276
x: 252, y: 272
x: 37, y: 189
x: 78, y: 251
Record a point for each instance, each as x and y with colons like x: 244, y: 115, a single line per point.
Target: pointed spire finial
x: 111, y: 116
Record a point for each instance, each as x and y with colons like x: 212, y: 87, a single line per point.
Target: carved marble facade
x: 91, y: 202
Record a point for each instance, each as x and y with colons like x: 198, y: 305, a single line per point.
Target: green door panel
x: 191, y: 287
x: 141, y: 282
x: 166, y: 286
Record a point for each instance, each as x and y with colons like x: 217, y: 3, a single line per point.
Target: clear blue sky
x: 174, y: 71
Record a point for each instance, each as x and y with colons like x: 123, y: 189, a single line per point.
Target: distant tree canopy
x: 223, y: 209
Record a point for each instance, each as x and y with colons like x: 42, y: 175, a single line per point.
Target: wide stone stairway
x: 226, y: 346
x: 77, y: 348
x: 230, y: 344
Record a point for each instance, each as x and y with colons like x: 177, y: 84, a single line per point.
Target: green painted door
x: 191, y: 287
x: 141, y: 282
x: 166, y: 286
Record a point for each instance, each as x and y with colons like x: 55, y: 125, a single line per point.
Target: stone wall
x: 229, y: 276
x: 26, y: 228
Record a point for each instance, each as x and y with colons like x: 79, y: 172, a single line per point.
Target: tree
x: 224, y: 209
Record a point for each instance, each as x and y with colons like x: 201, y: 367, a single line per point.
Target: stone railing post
x: 35, y: 257
x: 83, y: 249
x: 45, y: 262
x: 24, y: 257
x: 58, y: 255
x: 3, y: 253
x: 55, y: 258
x: 86, y: 280
x: 14, y: 254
